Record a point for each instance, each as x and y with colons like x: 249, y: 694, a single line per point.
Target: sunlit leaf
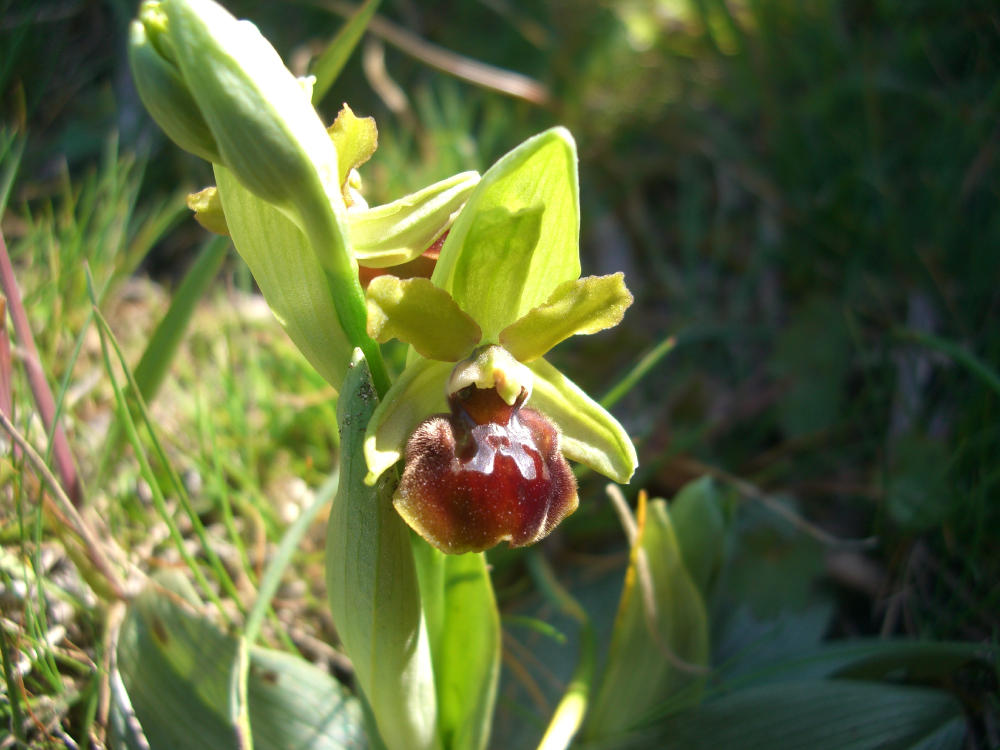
x: 465, y: 643
x: 183, y: 676
x: 294, y: 704
x: 659, y: 646
x: 372, y: 585
x: 187, y: 684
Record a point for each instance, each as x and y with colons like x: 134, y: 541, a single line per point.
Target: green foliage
x: 186, y: 684
x: 803, y: 196
x: 372, y: 585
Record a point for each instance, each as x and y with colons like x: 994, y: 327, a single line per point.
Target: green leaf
x: 189, y: 685
x: 417, y: 393
x: 183, y: 676
x: 821, y: 715
x: 517, y: 238
x: 296, y: 706
x: 421, y: 314
x: 289, y: 275
x: 922, y: 662
x: 397, y: 232
x: 698, y: 515
x: 659, y: 646
x: 465, y: 643
x: 579, y: 306
x: 331, y: 61
x: 589, y: 434
x: 372, y: 585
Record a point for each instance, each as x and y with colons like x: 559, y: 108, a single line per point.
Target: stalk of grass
x: 66, y: 514
x: 159, y: 500
x: 960, y: 354
x: 639, y: 370
x: 13, y: 689
x: 327, y: 66
x: 6, y: 365
x: 283, y: 556
x: 36, y: 377
x: 169, y: 332
x: 208, y: 439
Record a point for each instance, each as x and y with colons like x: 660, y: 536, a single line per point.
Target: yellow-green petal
x: 397, y: 232
x: 419, y: 313
x: 417, y: 393
x: 289, y: 276
x: 207, y: 207
x: 580, y: 306
x: 590, y: 434
x: 355, y: 138
x: 517, y: 238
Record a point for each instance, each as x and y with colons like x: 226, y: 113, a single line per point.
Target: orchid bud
x: 162, y: 88
x: 219, y: 89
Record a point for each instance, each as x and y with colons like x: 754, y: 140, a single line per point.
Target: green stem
x: 327, y: 234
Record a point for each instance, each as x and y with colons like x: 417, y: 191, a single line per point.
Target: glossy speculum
x: 485, y: 473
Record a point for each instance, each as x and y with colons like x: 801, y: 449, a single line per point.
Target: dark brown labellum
x: 487, y: 472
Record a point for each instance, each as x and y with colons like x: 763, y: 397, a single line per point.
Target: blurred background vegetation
x: 804, y: 195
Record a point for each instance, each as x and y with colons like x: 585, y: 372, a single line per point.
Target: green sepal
x: 579, y: 306
x: 517, y: 238
x: 397, y: 232
x: 289, y: 276
x: 417, y: 393
x: 355, y: 139
x: 417, y: 312
x: 162, y: 89
x: 207, y: 207
x: 372, y: 585
x: 590, y: 434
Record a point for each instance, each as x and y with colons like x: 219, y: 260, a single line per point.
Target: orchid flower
x: 484, y: 421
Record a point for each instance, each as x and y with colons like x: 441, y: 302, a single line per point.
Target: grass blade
x: 162, y: 346
x: 328, y: 65
x: 107, y: 337
x: 282, y: 557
